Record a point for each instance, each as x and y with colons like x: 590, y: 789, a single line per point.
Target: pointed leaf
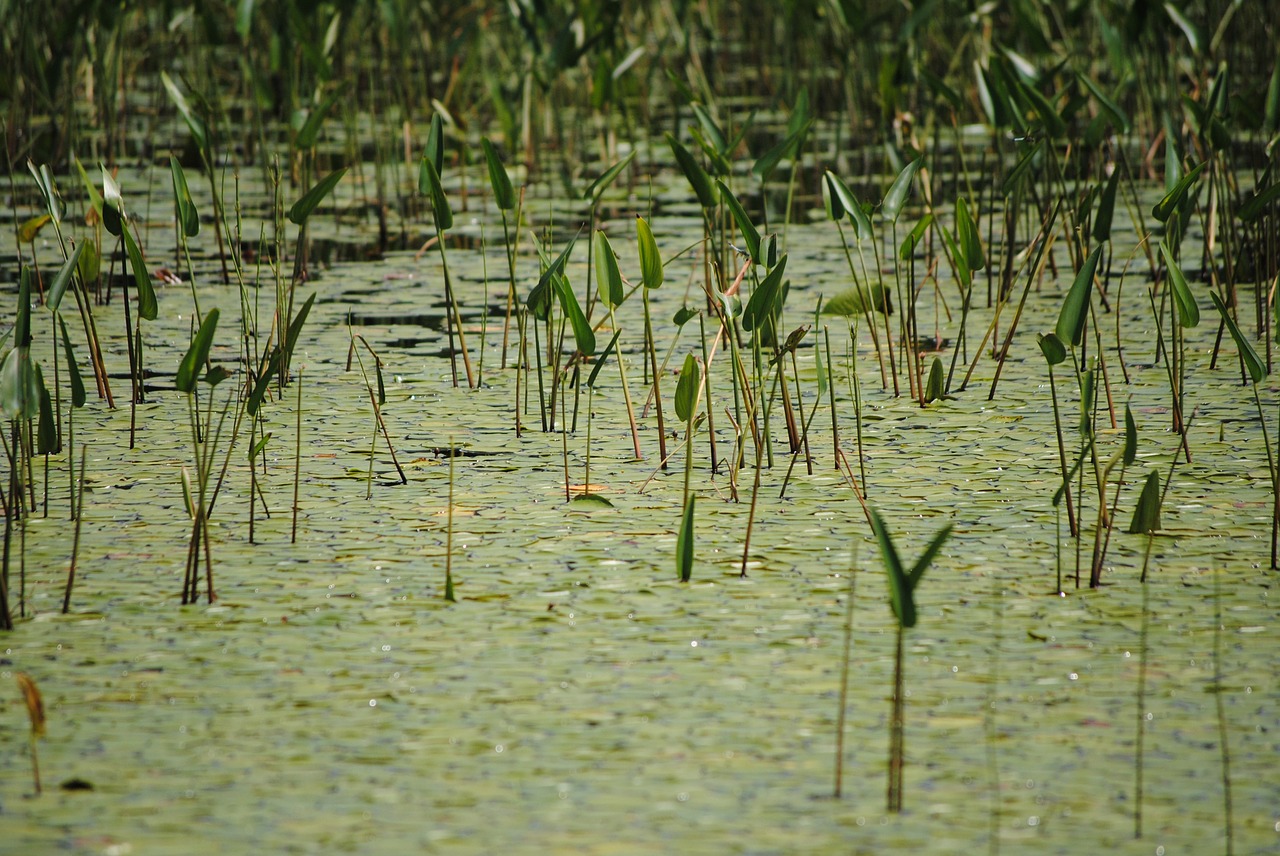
x: 608, y: 277
x: 1051, y: 346
x: 53, y: 297
x: 583, y: 336
x: 197, y: 354
x: 1184, y: 301
x: 684, y: 542
x: 687, y: 389
x: 147, y: 307
x: 1252, y: 362
x: 1146, y: 516
x: 926, y: 558
x: 185, y: 210
x: 434, y: 150
x: 900, y: 191
x: 908, y: 247
x: 760, y: 307
x: 504, y: 195
x: 900, y: 594
x: 933, y: 387
x: 967, y: 236
x: 651, y: 270
x: 195, y: 124
x: 302, y: 209
x: 112, y: 204
x: 73, y: 368
x: 1130, y: 437
x: 749, y: 232
x: 1106, y: 208
x: 1075, y: 309
x: 694, y: 173
x: 1020, y: 169
x: 1163, y: 209
x: 602, y: 359
x: 607, y: 177
x: 539, y: 299
x: 1257, y: 204
x: 710, y: 130
x: 1113, y: 111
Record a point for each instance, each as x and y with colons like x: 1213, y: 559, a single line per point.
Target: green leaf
x: 112, y: 204
x: 908, y: 247
x: 1075, y: 309
x: 197, y: 354
x: 53, y: 297
x: 73, y: 368
x: 184, y: 209
x: 1051, y: 346
x: 47, y: 440
x: 295, y: 328
x: 684, y: 315
x: 195, y: 124
x: 583, y: 336
x: 263, y: 383
x: 1113, y: 111
x: 607, y: 177
x: 1258, y: 203
x: 1054, y: 127
x: 651, y: 270
x: 1164, y: 209
x: 687, y: 389
x: 1252, y: 362
x: 1106, y: 208
x: 1130, y: 436
x: 694, y: 173
x: 539, y: 299
x: 434, y: 151
x: 589, y: 502
x: 859, y: 301
x: 933, y: 387
x: 1195, y: 36
x: 1271, y: 112
x: 147, y: 307
x: 961, y: 265
x: 257, y: 447
x: 1184, y: 301
x: 840, y: 197
x: 1146, y: 516
x: 30, y: 228
x: 684, y: 542
x: 1020, y: 169
x: 749, y: 232
x: 900, y: 191
x: 310, y: 130
x: 968, y: 236
x: 710, y: 129
x: 302, y: 209
x: 768, y: 162
x: 48, y: 191
x: 608, y: 277
x: 900, y: 594
x: 760, y: 307
x: 926, y: 558
x: 602, y: 359
x: 504, y: 195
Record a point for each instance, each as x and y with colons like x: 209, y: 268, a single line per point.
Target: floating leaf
x: 1075, y: 309
x: 1252, y: 362
x: 589, y: 502
x: 302, y: 209
x: 197, y: 353
x: 1146, y: 516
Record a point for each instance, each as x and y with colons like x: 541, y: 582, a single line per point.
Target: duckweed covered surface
x: 578, y: 698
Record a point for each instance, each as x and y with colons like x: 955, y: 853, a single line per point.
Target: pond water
x: 577, y: 697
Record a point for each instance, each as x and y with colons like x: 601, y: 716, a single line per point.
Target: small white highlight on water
x: 373, y: 702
